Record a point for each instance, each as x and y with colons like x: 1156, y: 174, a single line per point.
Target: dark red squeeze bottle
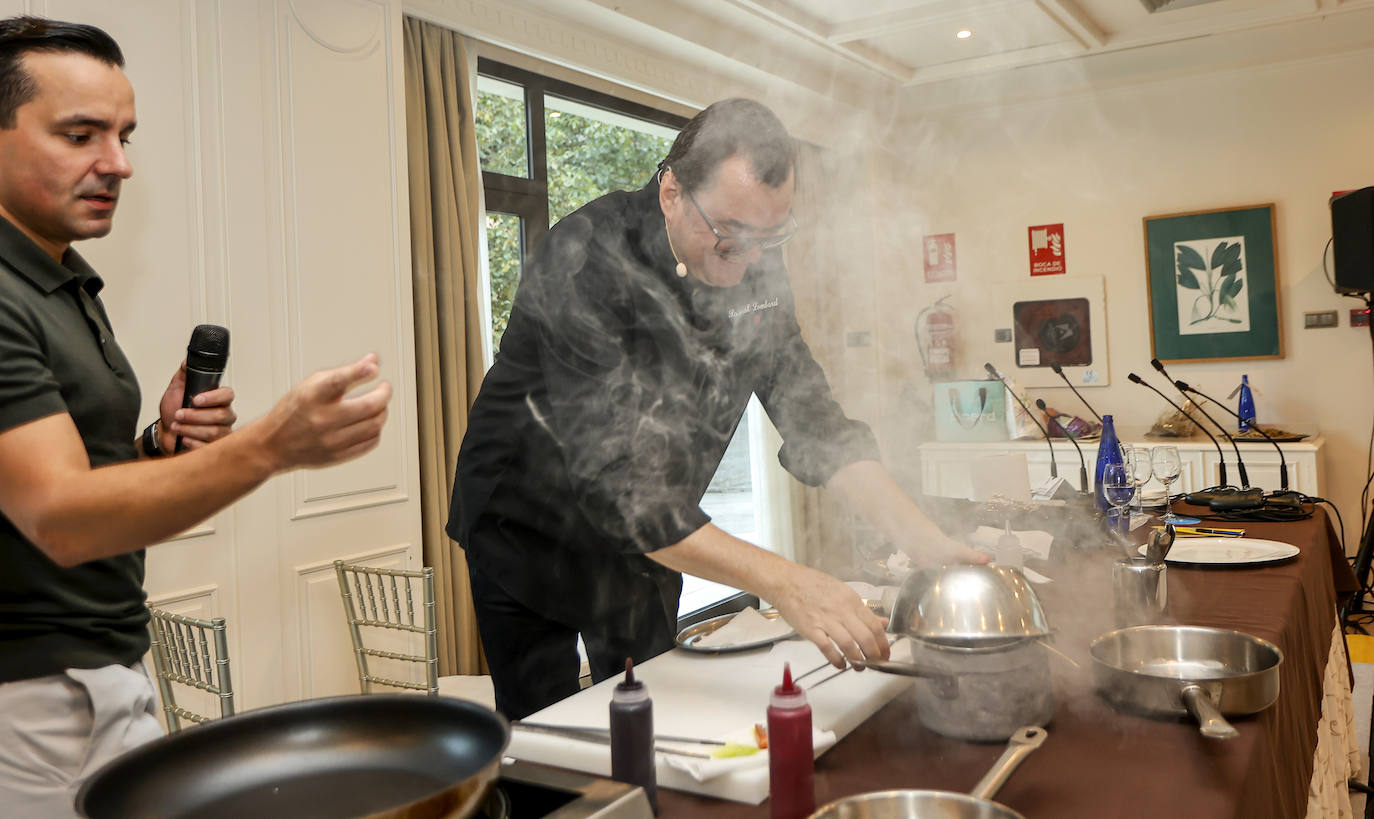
x: 791, y: 763
x: 632, y: 736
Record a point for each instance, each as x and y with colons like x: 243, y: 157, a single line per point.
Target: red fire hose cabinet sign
x: 1046, y: 249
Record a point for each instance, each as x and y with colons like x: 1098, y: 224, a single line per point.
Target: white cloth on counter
x: 1033, y: 541
x: 715, y: 696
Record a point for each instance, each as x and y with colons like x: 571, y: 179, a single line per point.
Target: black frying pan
x: 375, y: 755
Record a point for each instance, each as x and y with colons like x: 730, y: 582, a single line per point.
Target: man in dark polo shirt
x: 79, y: 498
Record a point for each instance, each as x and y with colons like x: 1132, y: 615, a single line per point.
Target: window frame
x: 528, y: 197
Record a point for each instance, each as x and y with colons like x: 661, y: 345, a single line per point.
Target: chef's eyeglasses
x: 729, y: 244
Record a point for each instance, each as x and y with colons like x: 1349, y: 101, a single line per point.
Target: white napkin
x: 704, y: 769
x: 746, y: 627
x: 1034, y: 541
x: 899, y: 564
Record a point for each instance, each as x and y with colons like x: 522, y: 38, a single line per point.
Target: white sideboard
x: 945, y: 465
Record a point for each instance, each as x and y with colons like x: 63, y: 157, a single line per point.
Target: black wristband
x: 151, y: 446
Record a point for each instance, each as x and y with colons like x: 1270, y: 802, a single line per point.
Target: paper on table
x: 1034, y: 541
x: 703, y: 770
x: 1035, y: 577
x: 746, y: 627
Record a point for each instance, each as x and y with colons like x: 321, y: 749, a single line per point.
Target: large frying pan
x: 1204, y: 672
x: 373, y: 756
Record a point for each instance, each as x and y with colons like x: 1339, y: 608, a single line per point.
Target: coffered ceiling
x: 881, y: 45
x: 884, y: 56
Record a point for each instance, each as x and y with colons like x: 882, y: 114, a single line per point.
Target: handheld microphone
x: 1054, y: 467
x: 1138, y: 380
x: 1082, y: 464
x: 206, y: 355
x: 1059, y: 371
x: 1283, y: 464
x: 1240, y: 464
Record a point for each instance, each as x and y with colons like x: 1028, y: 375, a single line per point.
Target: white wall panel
x: 340, y: 227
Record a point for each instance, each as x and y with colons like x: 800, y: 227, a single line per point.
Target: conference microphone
x: 1138, y: 380
x: 206, y: 355
x: 1082, y: 464
x: 1240, y: 464
x: 1283, y: 464
x: 1054, y: 467
x: 1059, y: 371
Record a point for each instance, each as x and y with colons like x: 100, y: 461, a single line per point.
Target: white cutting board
x: 713, y: 697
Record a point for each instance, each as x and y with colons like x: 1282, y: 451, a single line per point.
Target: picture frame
x: 1212, y: 282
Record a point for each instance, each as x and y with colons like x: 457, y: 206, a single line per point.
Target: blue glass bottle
x: 1108, y: 451
x: 1246, y: 409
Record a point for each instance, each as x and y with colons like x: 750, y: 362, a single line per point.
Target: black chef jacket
x: 612, y: 398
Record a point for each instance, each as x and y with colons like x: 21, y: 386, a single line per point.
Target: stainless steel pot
x: 931, y: 804
x: 1204, y: 672
x: 994, y: 692
x: 379, y: 756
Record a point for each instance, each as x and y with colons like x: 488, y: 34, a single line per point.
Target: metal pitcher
x: 1140, y: 591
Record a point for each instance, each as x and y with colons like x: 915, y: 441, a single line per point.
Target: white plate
x: 1228, y: 551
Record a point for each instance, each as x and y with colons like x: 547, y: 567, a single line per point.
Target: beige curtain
x: 819, y: 523
x: 445, y: 214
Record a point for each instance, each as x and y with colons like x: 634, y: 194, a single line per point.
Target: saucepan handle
x: 1020, y: 745
x: 1210, y: 721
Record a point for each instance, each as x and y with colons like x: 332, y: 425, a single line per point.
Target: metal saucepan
x: 929, y: 804
x: 1205, y: 672
x: 373, y: 756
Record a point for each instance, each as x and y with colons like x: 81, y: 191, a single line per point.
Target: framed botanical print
x: 1213, y: 285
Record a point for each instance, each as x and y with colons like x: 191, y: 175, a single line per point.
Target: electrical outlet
x: 1321, y: 318
x: 1359, y: 317
x: 1001, y: 335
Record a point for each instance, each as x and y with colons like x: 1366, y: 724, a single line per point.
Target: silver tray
x: 688, y: 638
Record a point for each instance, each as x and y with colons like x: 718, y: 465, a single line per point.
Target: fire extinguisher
x: 936, y: 338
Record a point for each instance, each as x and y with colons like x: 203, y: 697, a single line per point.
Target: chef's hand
x: 831, y: 615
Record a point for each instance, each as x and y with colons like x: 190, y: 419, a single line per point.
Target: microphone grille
x: 1040, y: 402
x: 209, y: 347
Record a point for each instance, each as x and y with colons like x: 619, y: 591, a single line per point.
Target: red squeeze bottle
x: 632, y: 736
x: 791, y: 762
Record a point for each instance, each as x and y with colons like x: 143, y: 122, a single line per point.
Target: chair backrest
x: 386, y: 599
x: 183, y: 655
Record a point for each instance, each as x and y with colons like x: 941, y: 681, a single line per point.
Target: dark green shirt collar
x: 26, y: 258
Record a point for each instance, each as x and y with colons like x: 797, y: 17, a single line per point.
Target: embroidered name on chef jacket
x: 751, y: 307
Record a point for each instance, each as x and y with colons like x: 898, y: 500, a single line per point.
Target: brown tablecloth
x: 1098, y: 763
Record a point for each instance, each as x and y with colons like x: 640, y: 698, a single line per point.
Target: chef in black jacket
x: 642, y: 324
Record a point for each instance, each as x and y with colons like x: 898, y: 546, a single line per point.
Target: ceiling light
x: 963, y: 34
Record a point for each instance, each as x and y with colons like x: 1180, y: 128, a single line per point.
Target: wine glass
x: 1137, y: 460
x: 1119, y: 489
x: 1167, y: 466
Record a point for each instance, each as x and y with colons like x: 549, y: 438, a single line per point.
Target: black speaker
x: 1352, y: 241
